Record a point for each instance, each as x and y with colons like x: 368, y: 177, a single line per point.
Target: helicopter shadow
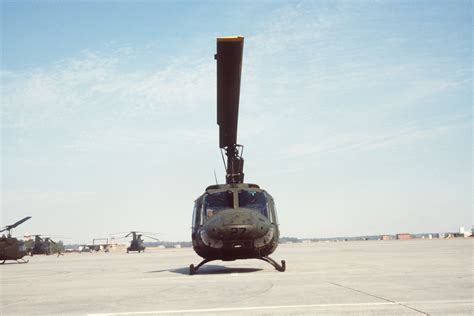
x: 209, y: 269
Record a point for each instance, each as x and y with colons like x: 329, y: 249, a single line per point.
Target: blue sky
x: 355, y: 115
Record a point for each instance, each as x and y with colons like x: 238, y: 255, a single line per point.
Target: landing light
x: 260, y: 242
x: 211, y: 242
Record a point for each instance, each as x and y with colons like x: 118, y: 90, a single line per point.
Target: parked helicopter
x: 42, y: 245
x: 235, y: 220
x: 136, y: 244
x: 10, y: 247
x: 99, y: 246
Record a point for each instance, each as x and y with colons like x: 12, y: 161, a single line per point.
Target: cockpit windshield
x: 216, y: 202
x: 254, y: 200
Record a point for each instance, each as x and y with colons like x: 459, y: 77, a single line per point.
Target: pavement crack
x: 380, y: 298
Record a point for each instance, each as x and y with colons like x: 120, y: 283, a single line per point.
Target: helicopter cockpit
x: 213, y: 203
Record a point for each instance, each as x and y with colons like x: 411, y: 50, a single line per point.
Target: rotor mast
x: 229, y: 70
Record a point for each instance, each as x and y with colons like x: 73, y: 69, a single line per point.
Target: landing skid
x: 275, y: 264
x: 193, y: 269
x: 18, y: 260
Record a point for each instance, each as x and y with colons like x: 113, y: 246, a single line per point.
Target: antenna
x: 215, y: 177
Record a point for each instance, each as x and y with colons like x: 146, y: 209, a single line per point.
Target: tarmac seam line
x: 380, y: 297
x: 236, y: 309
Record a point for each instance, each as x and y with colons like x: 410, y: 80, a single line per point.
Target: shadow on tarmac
x: 209, y: 269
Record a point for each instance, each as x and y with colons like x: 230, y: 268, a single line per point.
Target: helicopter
x: 10, y: 247
x: 136, y: 244
x: 235, y: 220
x: 99, y: 246
x: 42, y: 245
x: 95, y: 246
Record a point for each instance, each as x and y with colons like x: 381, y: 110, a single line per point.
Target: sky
x: 356, y: 116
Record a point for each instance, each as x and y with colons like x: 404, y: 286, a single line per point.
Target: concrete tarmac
x: 413, y: 277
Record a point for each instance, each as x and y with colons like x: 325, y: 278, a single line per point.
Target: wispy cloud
x: 96, y: 101
x: 293, y: 64
x: 92, y: 84
x: 395, y: 136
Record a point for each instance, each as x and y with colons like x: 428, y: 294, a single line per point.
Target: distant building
x: 118, y: 247
x: 403, y: 236
x: 385, y: 237
x: 464, y: 233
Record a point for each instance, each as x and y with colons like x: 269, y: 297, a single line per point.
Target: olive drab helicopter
x: 42, y: 245
x: 10, y: 247
x: 136, y: 244
x: 98, y: 246
x: 235, y: 220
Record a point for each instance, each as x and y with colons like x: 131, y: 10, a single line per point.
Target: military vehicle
x: 136, y: 244
x: 42, y: 245
x: 97, y: 246
x: 235, y: 220
x: 10, y: 247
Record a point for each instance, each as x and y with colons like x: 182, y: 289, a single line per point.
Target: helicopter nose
x: 237, y: 224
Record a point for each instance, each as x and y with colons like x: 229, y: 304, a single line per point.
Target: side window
x: 197, y: 214
x: 273, y: 211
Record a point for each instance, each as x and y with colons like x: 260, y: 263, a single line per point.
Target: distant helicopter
x: 235, y: 220
x: 99, y: 246
x: 42, y: 246
x: 136, y: 244
x: 10, y: 247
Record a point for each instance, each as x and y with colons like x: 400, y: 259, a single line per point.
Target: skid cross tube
x: 193, y: 269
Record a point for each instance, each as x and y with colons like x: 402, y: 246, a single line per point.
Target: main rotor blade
x: 115, y: 238
x: 151, y: 237
x: 119, y: 233
x: 8, y: 227
x: 49, y: 236
x: 229, y: 70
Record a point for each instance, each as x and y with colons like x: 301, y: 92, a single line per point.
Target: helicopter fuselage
x: 11, y: 248
x: 41, y: 247
x: 136, y: 245
x: 234, y: 221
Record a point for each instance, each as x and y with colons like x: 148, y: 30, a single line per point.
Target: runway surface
x: 414, y: 277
